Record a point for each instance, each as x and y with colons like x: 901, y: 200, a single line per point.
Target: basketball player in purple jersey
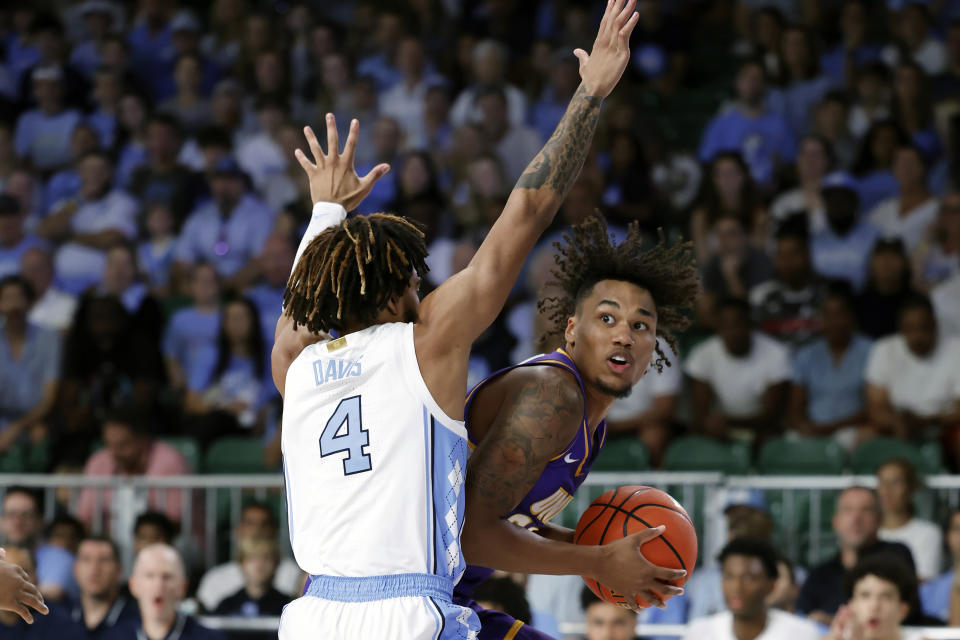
x: 537, y: 426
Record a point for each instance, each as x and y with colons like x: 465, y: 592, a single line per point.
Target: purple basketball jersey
x: 560, y: 479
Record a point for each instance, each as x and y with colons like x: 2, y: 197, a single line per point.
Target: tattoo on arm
x: 533, y: 426
x: 559, y: 162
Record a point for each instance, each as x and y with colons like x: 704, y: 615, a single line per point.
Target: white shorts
x: 366, y: 609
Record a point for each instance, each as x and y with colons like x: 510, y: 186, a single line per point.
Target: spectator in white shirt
x: 749, y: 574
x: 909, y: 214
x: 879, y: 592
x: 489, y: 63
x: 739, y: 377
x: 913, y: 381
x: 946, y: 302
x: 896, y: 483
x: 605, y: 620
x: 916, y: 41
x: 53, y: 308
x: 513, y: 143
x: 405, y: 102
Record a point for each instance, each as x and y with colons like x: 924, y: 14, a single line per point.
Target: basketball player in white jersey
x: 373, y: 441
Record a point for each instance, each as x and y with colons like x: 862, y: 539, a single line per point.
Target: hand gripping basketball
x: 625, y: 570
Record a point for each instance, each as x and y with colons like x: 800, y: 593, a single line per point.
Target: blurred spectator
x: 53, y: 626
x: 257, y: 520
x: 763, y: 27
x: 21, y: 525
x: 916, y: 41
x: 647, y: 413
x: 87, y: 226
x: 828, y: 396
x: 946, y: 302
x: 130, y: 450
x: 405, y: 102
x: 29, y: 367
x: 193, y: 329
x: 750, y: 572
x: 801, y: 83
x: 155, y: 253
x: 52, y: 308
x: 750, y: 127
x: 102, y: 609
x: 229, y: 229
x: 856, y: 521
x: 879, y: 594
x: 888, y: 286
x: 506, y: 594
x: 913, y: 382
x: 159, y: 583
x: 42, y: 136
x: 262, y: 154
x: 729, y: 191
x: 8, y: 157
x: 947, y: 84
x: 627, y: 193
x: 854, y: 49
x: 229, y: 384
x: 162, y: 178
x: 131, y: 136
x: 66, y: 184
x: 814, y: 160
x: 872, y: 96
x: 258, y: 559
x: 489, y: 61
x: 735, y: 268
x: 152, y: 527
x: 514, y: 144
x: 276, y: 263
x: 831, y: 122
x: 106, y: 94
x: 120, y: 279
x: 913, y: 109
x: 387, y: 141
x: 938, y: 595
x: 605, y: 620
x: 49, y: 38
x: 909, y: 215
x: 841, y: 248
x: 14, y: 242
x: 874, y: 164
x: 785, y: 587
x: 897, y: 482
x: 564, y: 80
x: 65, y: 531
x: 937, y: 256
x: 786, y: 306
x: 738, y: 378
x: 188, y: 105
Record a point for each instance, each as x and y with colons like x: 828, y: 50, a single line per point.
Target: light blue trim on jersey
x: 428, y: 463
x: 288, y: 494
x: 449, y: 467
x: 368, y: 589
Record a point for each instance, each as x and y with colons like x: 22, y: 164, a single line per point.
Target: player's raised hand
x: 332, y: 175
x: 626, y: 571
x: 17, y: 593
x: 602, y: 68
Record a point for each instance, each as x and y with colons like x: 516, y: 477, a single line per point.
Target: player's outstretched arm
x: 335, y: 188
x: 463, y: 307
x: 538, y: 418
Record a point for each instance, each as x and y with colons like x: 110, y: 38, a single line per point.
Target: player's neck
x: 598, y: 404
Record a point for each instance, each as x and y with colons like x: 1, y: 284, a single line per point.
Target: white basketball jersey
x: 374, y: 468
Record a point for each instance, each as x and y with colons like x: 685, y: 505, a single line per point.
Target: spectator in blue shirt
x: 48, y: 35
x: 106, y: 94
x: 29, y: 367
x: 276, y: 262
x: 387, y: 141
x: 229, y: 230
x: 43, y: 134
x: 53, y: 626
x: 841, y: 249
x: 155, y: 253
x: 65, y: 184
x: 874, y: 165
x: 151, y: 45
x: 827, y: 397
x: 801, y: 85
x: 938, y: 596
x: 853, y: 50
x: 749, y: 126
x: 913, y: 108
x: 13, y: 241
x: 564, y: 79
x: 193, y: 330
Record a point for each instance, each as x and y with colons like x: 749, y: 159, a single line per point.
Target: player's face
x: 745, y: 586
x: 96, y: 570
x: 607, y: 621
x: 613, y: 336
x: 877, y: 606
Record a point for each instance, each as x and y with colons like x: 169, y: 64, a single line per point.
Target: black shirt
x: 824, y: 588
x: 124, y: 613
x: 240, y: 604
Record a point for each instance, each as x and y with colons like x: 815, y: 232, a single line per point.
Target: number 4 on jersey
x: 352, y: 440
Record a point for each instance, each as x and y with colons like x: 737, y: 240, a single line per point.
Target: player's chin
x: 615, y: 387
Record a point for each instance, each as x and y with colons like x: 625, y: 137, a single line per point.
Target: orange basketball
x: 621, y: 512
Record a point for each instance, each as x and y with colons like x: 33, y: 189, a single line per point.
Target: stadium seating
x: 625, y: 454
x: 808, y: 456
x: 927, y: 458
x: 235, y: 455
x: 189, y: 448
x: 698, y: 453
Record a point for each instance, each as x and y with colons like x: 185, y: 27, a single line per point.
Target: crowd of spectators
x: 150, y: 205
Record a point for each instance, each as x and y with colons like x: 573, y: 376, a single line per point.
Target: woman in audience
x: 888, y: 285
x: 802, y: 85
x: 937, y: 257
x: 913, y: 108
x: 939, y: 595
x: 913, y: 210
x: 897, y: 482
x: 814, y: 161
x: 874, y: 164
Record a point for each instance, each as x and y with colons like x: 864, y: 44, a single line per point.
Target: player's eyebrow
x: 640, y: 310
x: 609, y: 302
x: 646, y: 312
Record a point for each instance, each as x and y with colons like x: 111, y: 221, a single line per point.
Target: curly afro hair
x: 591, y: 255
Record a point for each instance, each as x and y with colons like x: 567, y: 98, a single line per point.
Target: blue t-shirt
x: 55, y: 566
x: 383, y: 193
x: 56, y: 625
x: 834, y: 62
x: 63, y: 185
x: 844, y: 257
x: 156, y: 261
x: 834, y: 391
x: 935, y: 595
x: 875, y: 187
x: 106, y: 127
x: 228, y: 244
x: 796, y: 103
x: 764, y: 141
x: 189, y: 333
x: 22, y: 379
x: 10, y: 256
x: 238, y: 382
x: 269, y: 302
x: 45, y: 139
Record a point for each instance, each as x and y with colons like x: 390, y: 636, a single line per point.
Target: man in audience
x: 258, y: 559
x: 785, y: 307
x: 159, y: 583
x: 257, y: 520
x: 102, y: 608
x: 152, y: 527
x: 897, y: 482
x: 738, y: 378
x: 53, y: 626
x: 130, y: 450
x: 606, y: 621
x: 53, y: 308
x: 29, y: 367
x: 856, y: 522
x: 913, y: 381
x: 940, y: 596
x: 750, y: 571
x: 21, y: 523
x: 195, y: 328
x: 841, y: 248
x: 276, y: 261
x: 14, y: 242
x: 828, y: 395
x: 879, y: 591
x: 908, y: 215
x: 42, y: 135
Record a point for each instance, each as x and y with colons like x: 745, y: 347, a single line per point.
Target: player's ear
x: 570, y: 333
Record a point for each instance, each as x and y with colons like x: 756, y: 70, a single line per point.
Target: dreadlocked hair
x: 351, y: 271
x: 592, y: 255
